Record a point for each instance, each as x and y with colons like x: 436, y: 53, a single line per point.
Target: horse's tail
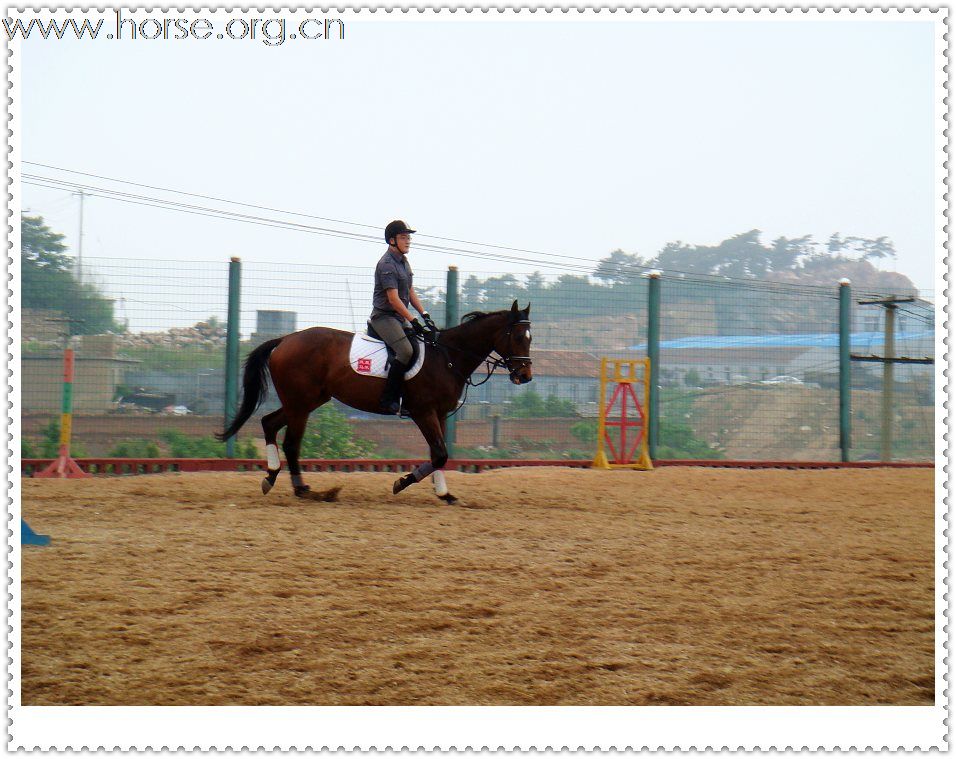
x: 255, y: 386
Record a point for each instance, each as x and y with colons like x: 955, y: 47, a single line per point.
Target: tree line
x: 720, y: 273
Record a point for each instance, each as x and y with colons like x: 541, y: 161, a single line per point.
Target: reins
x: 491, y: 363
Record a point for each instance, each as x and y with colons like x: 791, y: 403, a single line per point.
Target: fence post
x: 653, y: 353
x: 451, y: 320
x: 889, y: 353
x: 844, y: 370
x: 232, y: 349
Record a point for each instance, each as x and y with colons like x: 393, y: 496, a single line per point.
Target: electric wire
x: 630, y: 270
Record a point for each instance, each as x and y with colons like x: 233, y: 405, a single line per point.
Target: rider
x: 390, y: 300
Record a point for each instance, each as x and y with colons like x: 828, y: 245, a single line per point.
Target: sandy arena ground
x: 556, y: 586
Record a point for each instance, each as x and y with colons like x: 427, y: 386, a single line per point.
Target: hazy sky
x: 560, y: 135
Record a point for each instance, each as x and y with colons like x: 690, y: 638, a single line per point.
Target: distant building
x: 98, y: 373
x: 270, y: 324
x: 735, y: 359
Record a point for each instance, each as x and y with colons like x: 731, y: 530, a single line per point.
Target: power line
x: 193, y: 209
x: 151, y: 202
x: 230, y: 215
x: 627, y: 271
x: 303, y: 215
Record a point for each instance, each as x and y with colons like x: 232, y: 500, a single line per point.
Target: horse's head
x: 514, y: 344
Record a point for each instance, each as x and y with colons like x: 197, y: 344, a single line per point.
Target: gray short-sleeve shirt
x: 391, y: 274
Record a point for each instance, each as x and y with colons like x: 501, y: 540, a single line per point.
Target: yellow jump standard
x: 614, y: 425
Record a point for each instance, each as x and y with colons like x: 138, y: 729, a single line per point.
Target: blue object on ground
x: 29, y: 538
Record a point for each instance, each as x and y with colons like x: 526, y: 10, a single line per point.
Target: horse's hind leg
x: 271, y: 424
x: 291, y: 445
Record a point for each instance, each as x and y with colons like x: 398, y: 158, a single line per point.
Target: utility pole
x: 79, y: 247
x: 889, y: 359
x: 889, y: 353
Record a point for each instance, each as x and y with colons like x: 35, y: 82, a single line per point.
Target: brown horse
x: 312, y: 366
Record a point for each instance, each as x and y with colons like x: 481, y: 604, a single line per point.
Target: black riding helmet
x: 397, y: 227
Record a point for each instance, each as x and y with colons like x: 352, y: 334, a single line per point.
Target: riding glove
x: 429, y: 322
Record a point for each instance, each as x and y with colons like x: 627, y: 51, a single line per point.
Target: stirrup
x: 390, y: 407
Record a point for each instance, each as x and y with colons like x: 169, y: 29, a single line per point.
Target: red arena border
x: 117, y: 466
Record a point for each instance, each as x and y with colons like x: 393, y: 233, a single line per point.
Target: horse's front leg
x: 438, y: 476
x: 432, y: 430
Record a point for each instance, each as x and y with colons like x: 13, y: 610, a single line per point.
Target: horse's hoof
x: 449, y: 499
x: 401, y: 483
x: 302, y: 491
x: 266, y: 485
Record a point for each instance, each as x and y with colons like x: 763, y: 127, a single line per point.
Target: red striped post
x: 64, y: 465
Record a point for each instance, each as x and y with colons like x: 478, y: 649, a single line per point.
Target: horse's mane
x: 472, y: 316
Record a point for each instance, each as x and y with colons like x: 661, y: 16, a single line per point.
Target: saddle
x: 371, y: 357
x: 414, y: 339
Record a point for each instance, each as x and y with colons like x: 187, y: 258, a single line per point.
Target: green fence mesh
x: 748, y: 370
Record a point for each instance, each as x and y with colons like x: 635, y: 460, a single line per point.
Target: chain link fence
x: 747, y: 369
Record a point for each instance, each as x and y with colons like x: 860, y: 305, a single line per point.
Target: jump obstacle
x: 64, y: 466
x: 628, y: 445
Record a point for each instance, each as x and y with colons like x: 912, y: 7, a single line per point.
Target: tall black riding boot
x: 390, y: 401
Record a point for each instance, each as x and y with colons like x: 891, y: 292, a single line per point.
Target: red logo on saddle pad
x: 364, y: 365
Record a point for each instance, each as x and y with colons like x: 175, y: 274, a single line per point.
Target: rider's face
x: 403, y: 243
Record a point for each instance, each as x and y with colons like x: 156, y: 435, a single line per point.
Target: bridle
x: 504, y: 363
x: 491, y: 362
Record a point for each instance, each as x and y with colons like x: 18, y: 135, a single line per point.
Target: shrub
x: 330, y: 436
x: 135, y: 449
x: 204, y: 446
x: 48, y: 447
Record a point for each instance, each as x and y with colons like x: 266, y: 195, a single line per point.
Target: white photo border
x: 523, y: 728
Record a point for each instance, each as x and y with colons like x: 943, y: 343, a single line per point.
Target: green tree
x: 619, y: 268
x: 48, y: 282
x: 330, y: 436
x: 554, y: 406
x: 526, y: 405
x: 530, y: 403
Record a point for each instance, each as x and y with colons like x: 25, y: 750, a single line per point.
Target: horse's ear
x: 514, y: 307
x: 527, y: 310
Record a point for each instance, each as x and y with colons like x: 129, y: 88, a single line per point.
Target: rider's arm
x: 396, y: 303
x: 413, y: 297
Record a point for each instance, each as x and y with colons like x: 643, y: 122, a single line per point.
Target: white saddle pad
x: 368, y: 356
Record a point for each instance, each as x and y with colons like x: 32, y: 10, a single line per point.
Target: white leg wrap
x: 438, y: 480
x: 272, y: 456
